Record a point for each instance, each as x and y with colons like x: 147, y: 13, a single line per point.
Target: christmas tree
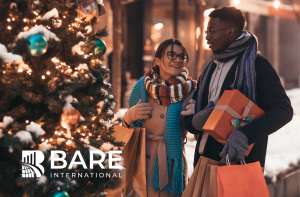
x: 53, y: 97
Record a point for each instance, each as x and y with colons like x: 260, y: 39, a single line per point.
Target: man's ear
x: 157, y: 61
x: 231, y: 32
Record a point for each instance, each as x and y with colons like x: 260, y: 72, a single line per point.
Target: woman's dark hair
x: 230, y: 15
x: 163, y: 46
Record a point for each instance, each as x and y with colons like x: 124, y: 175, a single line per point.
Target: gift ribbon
x: 241, y: 120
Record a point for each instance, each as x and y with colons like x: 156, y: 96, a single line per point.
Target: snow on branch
x: 50, y: 14
x: 24, y: 136
x: 36, y: 30
x: 9, y: 57
x: 77, y: 48
x: 36, y: 129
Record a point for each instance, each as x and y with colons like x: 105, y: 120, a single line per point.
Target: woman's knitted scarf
x: 170, y: 91
x: 172, y: 139
x: 245, y: 75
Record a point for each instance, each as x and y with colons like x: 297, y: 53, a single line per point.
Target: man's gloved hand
x: 201, y: 117
x: 137, y: 112
x: 236, y: 147
x: 190, y: 109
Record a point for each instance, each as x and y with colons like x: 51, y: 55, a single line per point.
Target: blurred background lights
x: 276, y: 4
x: 158, y: 26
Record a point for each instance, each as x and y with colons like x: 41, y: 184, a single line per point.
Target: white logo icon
x: 31, y: 164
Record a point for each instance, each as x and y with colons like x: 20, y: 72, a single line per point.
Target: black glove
x: 236, y: 147
x: 201, y: 117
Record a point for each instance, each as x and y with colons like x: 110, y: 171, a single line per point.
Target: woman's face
x: 169, y: 69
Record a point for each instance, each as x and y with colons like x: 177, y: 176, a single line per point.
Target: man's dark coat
x: 270, y: 97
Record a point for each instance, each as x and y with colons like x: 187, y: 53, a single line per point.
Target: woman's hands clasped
x: 139, y: 111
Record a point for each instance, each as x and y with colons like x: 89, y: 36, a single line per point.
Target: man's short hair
x: 230, y: 15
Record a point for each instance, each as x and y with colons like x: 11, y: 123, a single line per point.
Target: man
x: 236, y: 64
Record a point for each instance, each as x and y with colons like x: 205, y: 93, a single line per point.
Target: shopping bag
x: 134, y: 154
x: 241, y: 180
x: 203, y: 182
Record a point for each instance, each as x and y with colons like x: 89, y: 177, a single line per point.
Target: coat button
x: 162, y: 115
x: 148, y: 156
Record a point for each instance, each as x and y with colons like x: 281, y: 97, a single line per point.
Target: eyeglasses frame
x: 182, y: 61
x: 209, y: 33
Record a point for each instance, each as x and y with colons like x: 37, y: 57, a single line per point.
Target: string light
x: 13, y: 19
x: 31, y: 122
x: 59, y: 133
x: 26, y: 28
x: 43, y: 139
x: 4, y: 72
x: 9, y: 27
x: 8, y: 20
x: 20, y: 70
x: 55, y: 132
x: 36, y: 25
x: 27, y: 121
x: 25, y: 20
x: 64, y: 16
x: 68, y: 142
x: 84, y: 127
x: 51, y: 139
x: 43, y: 76
x: 90, y: 134
x: 78, y: 131
x: 34, y: 20
x: 48, y: 72
x: 46, y: 140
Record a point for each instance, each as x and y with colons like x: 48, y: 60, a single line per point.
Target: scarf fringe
x: 155, y: 176
x: 177, y: 178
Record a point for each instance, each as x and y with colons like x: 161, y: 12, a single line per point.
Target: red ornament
x: 70, y: 118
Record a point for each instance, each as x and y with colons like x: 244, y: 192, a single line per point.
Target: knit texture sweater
x: 172, y: 139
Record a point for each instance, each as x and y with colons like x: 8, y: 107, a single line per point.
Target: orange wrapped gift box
x: 232, y: 111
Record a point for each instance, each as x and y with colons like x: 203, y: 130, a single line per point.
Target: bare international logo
x: 31, y: 164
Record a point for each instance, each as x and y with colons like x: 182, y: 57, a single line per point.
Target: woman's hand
x: 190, y: 109
x: 138, y: 111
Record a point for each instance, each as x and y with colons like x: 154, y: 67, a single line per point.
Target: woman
x: 155, y: 104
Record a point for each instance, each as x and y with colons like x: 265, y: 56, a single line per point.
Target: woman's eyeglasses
x: 173, y: 56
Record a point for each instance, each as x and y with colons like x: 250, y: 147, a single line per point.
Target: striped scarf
x: 245, y: 75
x: 166, y: 92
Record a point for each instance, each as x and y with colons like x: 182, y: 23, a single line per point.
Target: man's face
x: 217, y: 37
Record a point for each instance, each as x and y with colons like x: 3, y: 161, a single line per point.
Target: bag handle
x: 228, y: 161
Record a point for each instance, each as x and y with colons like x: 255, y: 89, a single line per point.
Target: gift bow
x: 241, y: 120
x: 237, y: 121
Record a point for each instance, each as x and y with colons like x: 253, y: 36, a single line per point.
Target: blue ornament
x: 38, y: 44
x: 60, y: 194
x: 100, y: 47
